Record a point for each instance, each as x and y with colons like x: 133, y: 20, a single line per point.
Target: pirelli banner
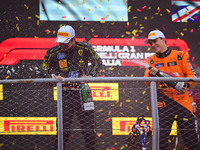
x: 101, y: 91
x: 29, y: 112
x: 123, y: 125
x: 28, y: 126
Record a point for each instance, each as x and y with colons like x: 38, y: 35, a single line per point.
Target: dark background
x: 10, y: 9
x: 189, y: 32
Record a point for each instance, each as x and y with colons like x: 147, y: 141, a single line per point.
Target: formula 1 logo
x: 28, y: 125
x: 113, y: 51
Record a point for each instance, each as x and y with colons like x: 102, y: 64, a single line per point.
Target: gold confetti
x: 99, y: 134
x: 185, y: 21
x: 136, y: 23
x: 152, y: 17
x: 187, y: 12
x: 26, y: 6
x: 124, y: 91
x: 129, y: 9
x: 102, y: 21
x: 37, y: 16
x: 111, y: 68
x: 109, y: 113
x: 100, y: 110
x: 181, y: 34
x: 29, y: 17
x: 141, y: 27
x: 147, y: 108
x: 168, y: 10
x: 17, y: 18
x: 134, y: 32
x: 128, y: 100
x: 185, y: 29
x: 143, y: 92
x: 121, y: 113
x: 191, y: 18
x: 17, y: 27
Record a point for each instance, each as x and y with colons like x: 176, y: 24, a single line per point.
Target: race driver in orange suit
x: 70, y: 59
x: 172, y: 102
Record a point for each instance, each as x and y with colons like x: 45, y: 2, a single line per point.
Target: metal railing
x: 154, y: 109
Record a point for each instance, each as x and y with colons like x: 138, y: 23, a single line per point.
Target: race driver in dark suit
x: 70, y: 58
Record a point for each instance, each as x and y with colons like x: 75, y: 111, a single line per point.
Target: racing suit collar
x: 164, y: 54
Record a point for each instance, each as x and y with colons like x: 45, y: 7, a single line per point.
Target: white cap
x: 154, y: 35
x: 65, y: 34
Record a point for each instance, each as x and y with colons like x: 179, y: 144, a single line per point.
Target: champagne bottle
x: 88, y: 104
x: 176, y: 85
x: 84, y: 88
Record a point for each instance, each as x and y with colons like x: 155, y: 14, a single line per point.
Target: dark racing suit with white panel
x: 63, y: 63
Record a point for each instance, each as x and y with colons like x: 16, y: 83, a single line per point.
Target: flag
x: 185, y: 10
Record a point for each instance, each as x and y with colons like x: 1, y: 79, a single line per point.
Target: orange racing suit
x: 173, y: 102
x: 175, y: 62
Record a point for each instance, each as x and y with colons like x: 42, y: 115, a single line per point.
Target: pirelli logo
x: 152, y: 34
x: 101, y: 91
x: 123, y: 125
x: 105, y: 91
x: 63, y: 34
x: 28, y: 126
